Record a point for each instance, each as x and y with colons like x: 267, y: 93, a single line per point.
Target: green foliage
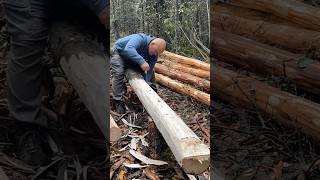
x: 176, y: 21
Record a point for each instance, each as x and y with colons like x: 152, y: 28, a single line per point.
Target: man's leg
x: 28, y: 27
x: 27, y: 23
x: 118, y: 84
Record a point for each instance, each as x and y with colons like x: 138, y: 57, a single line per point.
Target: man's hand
x: 145, y: 67
x: 104, y: 17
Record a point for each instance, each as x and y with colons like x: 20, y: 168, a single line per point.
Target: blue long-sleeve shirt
x: 134, y: 49
x: 96, y: 5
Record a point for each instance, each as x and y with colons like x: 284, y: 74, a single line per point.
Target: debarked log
x: 85, y: 66
x: 191, y: 154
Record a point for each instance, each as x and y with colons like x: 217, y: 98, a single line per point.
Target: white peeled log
x: 85, y: 66
x: 191, y: 154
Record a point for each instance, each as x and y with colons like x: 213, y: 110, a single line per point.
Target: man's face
x: 153, y: 49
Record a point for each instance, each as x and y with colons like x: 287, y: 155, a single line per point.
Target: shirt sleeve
x: 96, y: 5
x: 149, y: 74
x: 130, y: 51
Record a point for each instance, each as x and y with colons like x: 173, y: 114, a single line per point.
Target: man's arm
x: 130, y: 51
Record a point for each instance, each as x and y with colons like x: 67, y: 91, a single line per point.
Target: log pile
x: 184, y: 75
x: 271, y: 39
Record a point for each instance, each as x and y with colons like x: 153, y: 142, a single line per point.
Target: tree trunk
x: 265, y: 59
x: 187, y: 69
x: 283, y: 107
x: 186, y: 60
x: 181, y: 76
x: 183, y: 89
x: 291, y: 38
x: 85, y: 67
x: 305, y: 15
x: 191, y: 154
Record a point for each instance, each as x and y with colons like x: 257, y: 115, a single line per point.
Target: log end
x: 115, y: 134
x: 196, y: 165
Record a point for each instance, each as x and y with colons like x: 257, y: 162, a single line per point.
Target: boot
x: 120, y: 107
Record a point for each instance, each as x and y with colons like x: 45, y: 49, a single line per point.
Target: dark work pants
x: 28, y: 25
x: 118, y: 69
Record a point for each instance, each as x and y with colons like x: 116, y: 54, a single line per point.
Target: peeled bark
x: 288, y: 37
x: 183, y: 89
x: 115, y: 131
x: 265, y: 59
x: 283, y: 107
x: 191, y: 154
x: 303, y: 14
x: 187, y: 69
x: 186, y: 60
x: 181, y: 76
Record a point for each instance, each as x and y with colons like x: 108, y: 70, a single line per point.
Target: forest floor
x: 249, y: 145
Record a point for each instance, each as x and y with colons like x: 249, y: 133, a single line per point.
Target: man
x: 28, y: 25
x: 138, y: 51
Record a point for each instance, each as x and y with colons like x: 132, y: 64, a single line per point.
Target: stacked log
x: 246, y: 35
x: 292, y: 38
x: 283, y: 107
x: 305, y: 15
x: 262, y: 58
x: 184, y: 75
x: 187, y: 69
x: 187, y: 61
x: 184, y: 89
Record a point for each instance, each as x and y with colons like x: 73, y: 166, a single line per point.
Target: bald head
x: 157, y: 46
